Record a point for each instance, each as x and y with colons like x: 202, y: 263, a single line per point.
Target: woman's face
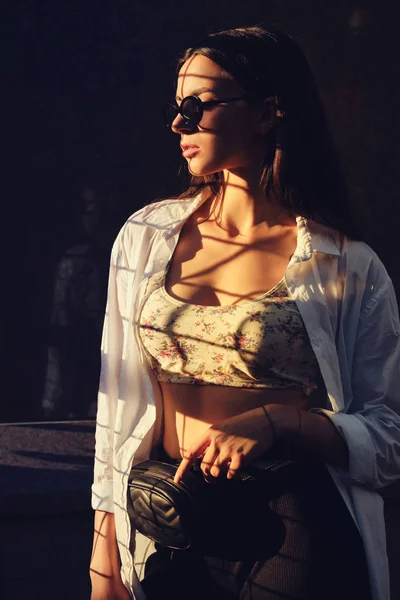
x: 228, y: 136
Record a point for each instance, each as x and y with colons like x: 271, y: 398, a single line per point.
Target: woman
x: 244, y: 320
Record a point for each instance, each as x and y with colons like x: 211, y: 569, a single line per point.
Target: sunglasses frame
x: 200, y: 104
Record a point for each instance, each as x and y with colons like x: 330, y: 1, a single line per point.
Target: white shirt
x: 348, y: 305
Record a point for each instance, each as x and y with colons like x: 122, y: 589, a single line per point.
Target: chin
x: 199, y: 170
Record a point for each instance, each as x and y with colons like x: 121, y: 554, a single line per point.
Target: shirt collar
x: 168, y: 216
x: 313, y: 237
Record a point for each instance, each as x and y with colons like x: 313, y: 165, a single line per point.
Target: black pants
x: 286, y: 535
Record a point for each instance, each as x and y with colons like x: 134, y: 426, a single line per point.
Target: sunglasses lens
x: 170, y: 113
x: 190, y: 110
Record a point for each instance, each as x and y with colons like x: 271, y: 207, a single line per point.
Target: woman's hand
x: 230, y: 445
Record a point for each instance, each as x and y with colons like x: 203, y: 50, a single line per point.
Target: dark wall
x: 94, y: 78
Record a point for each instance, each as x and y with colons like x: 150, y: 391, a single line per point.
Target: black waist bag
x: 162, y: 510
x: 176, y: 515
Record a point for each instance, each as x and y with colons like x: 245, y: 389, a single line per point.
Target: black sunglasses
x: 191, y: 109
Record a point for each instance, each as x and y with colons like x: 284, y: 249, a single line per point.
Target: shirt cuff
x: 361, y: 449
x: 102, y: 497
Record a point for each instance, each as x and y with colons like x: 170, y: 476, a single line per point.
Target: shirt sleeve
x: 111, y: 358
x: 371, y: 426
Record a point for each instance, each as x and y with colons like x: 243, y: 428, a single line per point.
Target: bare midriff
x: 189, y: 410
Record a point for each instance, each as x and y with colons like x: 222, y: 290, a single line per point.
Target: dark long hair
x: 300, y: 164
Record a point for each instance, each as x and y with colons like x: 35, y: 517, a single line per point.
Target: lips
x: 189, y: 150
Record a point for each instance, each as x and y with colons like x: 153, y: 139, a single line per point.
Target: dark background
x: 90, y: 80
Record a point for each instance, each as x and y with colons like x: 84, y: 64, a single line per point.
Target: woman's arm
x: 105, y: 563
x: 230, y: 445
x: 371, y: 422
x: 363, y: 440
x: 310, y: 431
x: 107, y: 398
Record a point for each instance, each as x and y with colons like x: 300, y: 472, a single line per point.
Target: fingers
x: 209, y: 458
x: 221, y: 464
x: 184, y: 466
x: 237, y: 462
x: 222, y: 458
x: 223, y: 455
x: 187, y: 461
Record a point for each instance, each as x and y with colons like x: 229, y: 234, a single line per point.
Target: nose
x: 178, y: 125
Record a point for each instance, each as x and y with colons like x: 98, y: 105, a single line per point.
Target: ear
x: 268, y: 115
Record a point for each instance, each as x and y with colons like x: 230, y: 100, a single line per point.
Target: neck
x: 243, y: 207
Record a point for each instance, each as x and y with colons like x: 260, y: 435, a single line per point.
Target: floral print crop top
x: 259, y: 343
